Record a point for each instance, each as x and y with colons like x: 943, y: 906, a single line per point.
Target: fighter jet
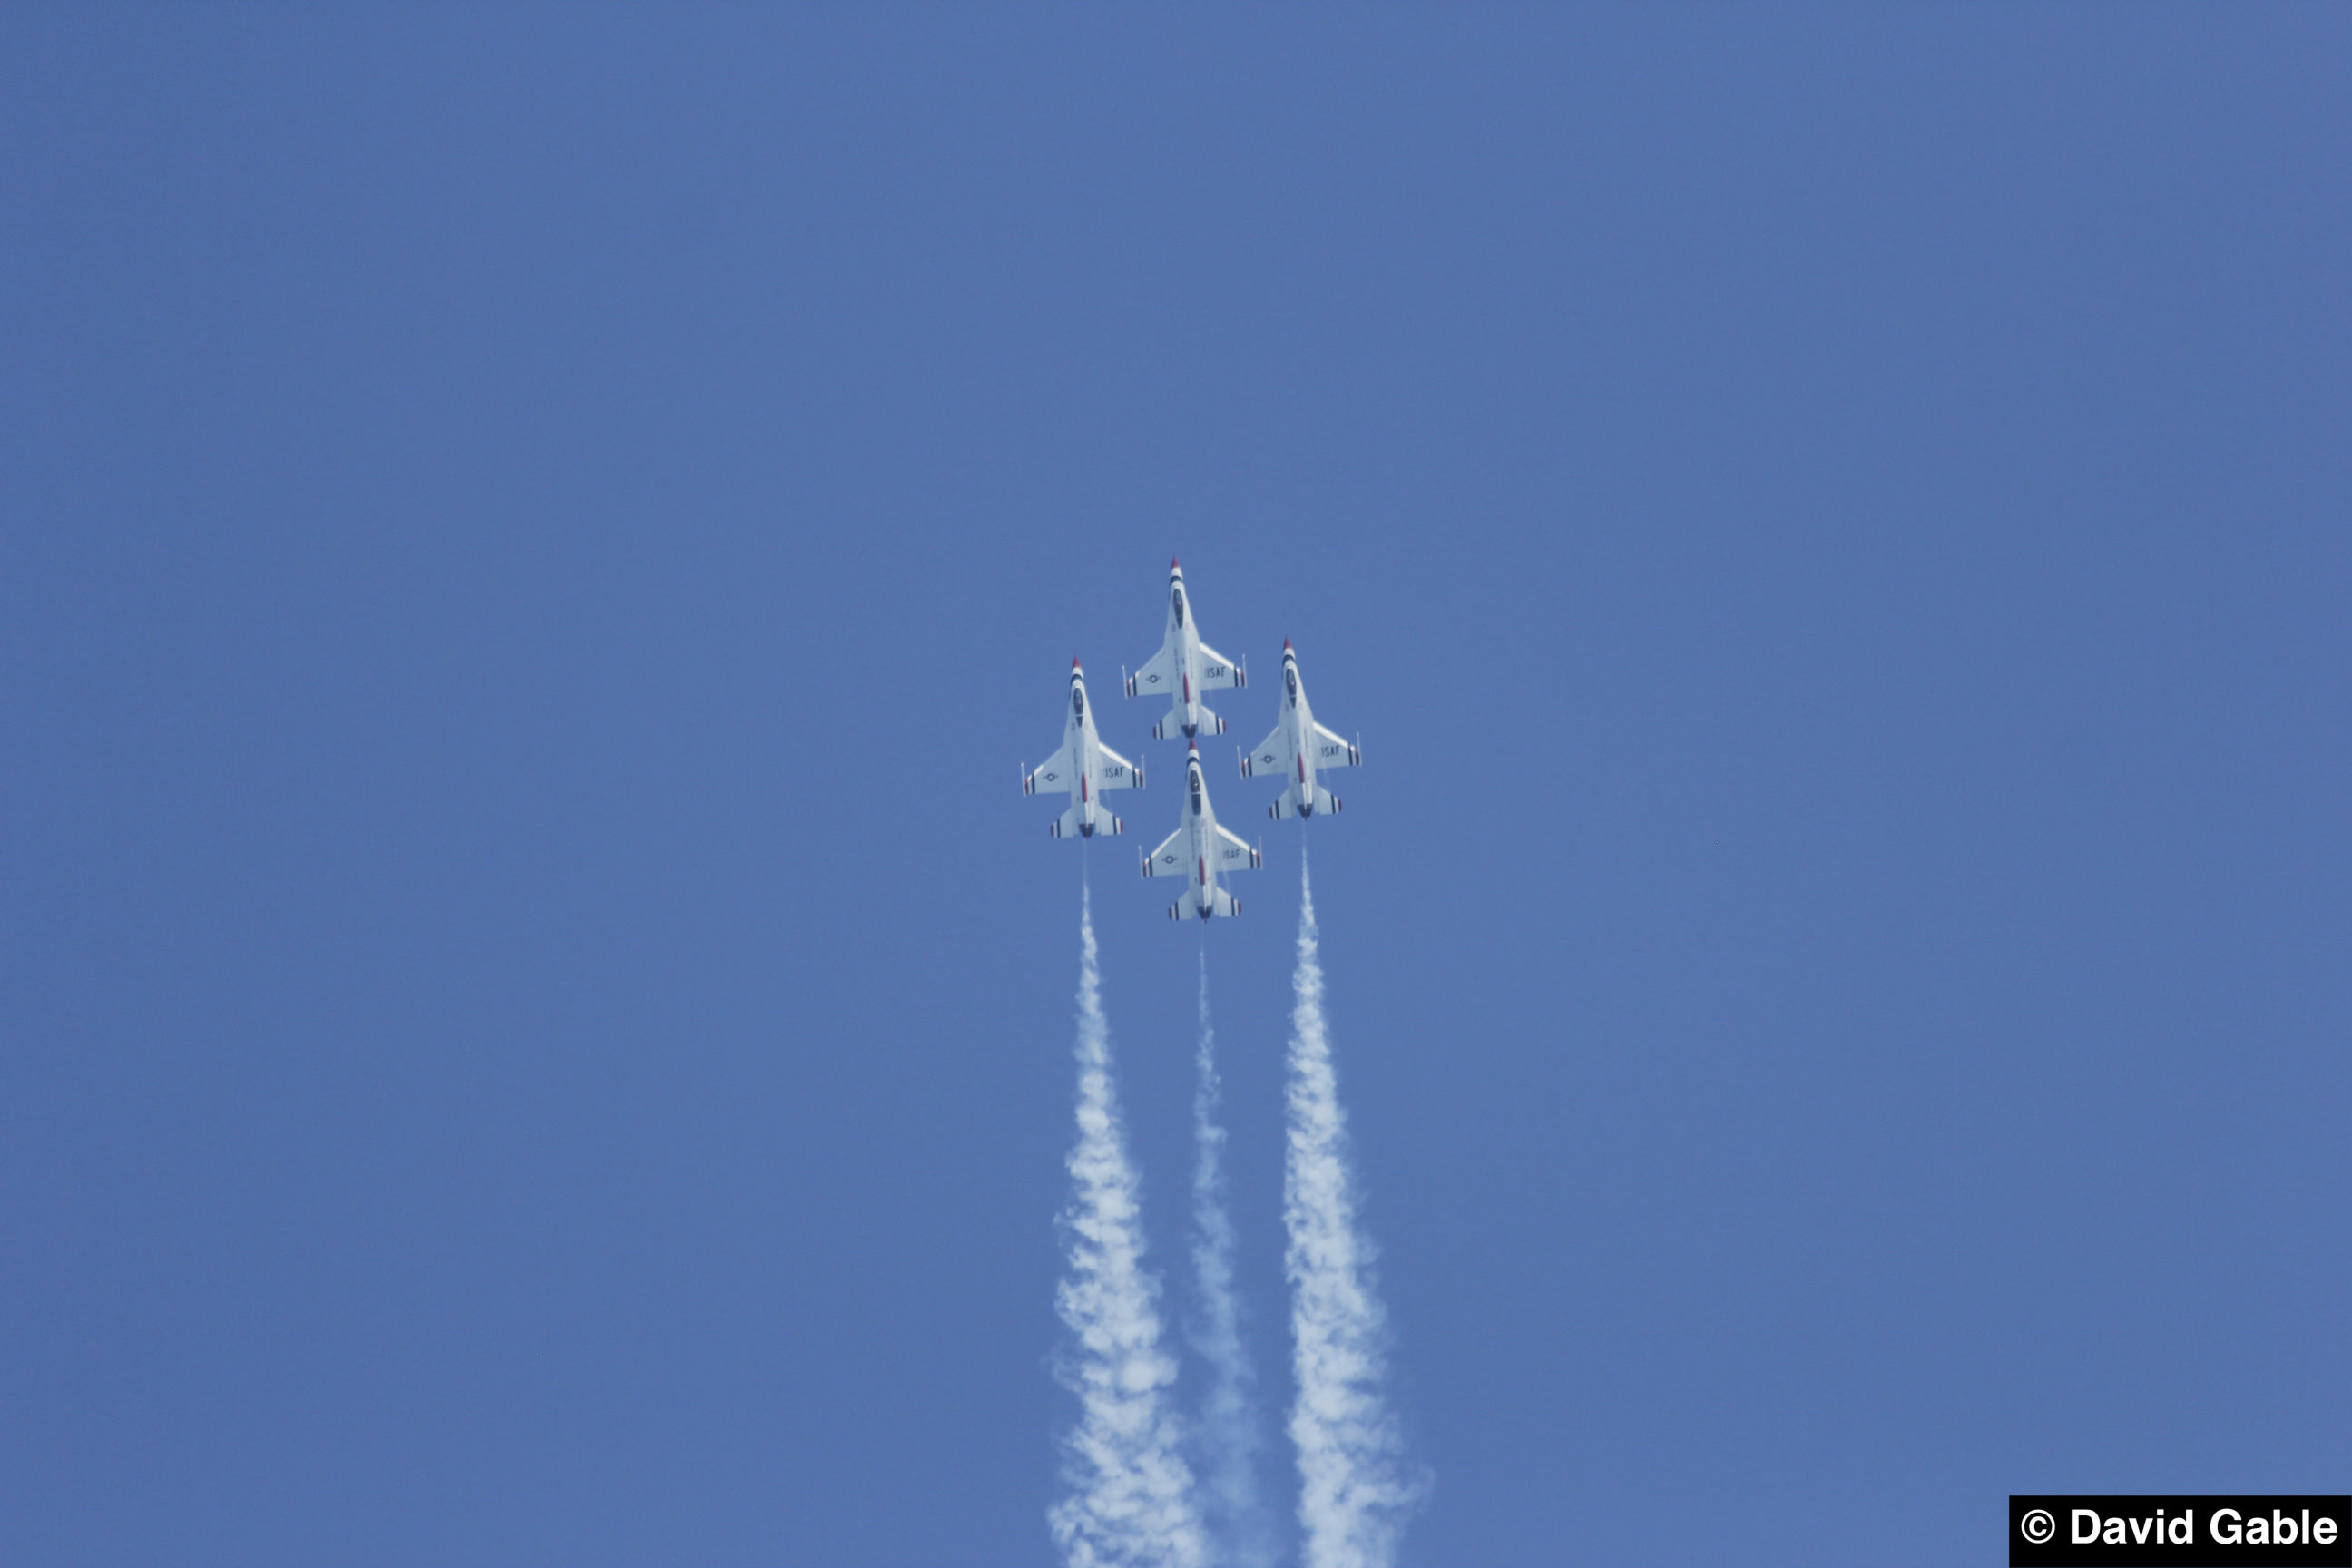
x: 1298, y: 747
x: 1201, y: 850
x: 1084, y: 766
x: 1184, y: 667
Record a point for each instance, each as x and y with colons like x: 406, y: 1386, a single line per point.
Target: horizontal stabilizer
x: 1171, y: 728
x: 1071, y: 824
x: 1222, y: 904
x: 1326, y: 803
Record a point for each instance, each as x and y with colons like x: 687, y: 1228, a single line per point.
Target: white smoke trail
x: 1355, y: 1488
x: 1128, y: 1497
x: 1238, y: 1523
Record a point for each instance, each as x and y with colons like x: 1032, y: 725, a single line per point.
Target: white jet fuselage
x: 1184, y: 668
x: 1298, y: 749
x: 1200, y: 852
x: 1084, y: 767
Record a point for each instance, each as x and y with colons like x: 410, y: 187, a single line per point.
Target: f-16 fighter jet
x: 1298, y: 747
x: 1184, y: 667
x: 1201, y: 850
x: 1084, y: 766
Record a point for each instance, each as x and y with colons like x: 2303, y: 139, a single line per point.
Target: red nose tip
x: 1073, y: 663
x: 1174, y: 564
x: 1285, y: 645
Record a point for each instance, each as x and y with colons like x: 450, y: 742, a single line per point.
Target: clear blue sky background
x: 534, y: 1020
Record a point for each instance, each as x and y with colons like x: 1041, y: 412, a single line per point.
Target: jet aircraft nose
x: 1285, y: 645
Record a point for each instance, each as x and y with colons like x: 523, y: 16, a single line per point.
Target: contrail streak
x: 1355, y: 1488
x: 1239, y: 1526
x: 1129, y: 1493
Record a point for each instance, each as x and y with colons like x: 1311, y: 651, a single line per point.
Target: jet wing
x: 1232, y: 854
x: 1157, y: 678
x: 1331, y: 751
x: 1217, y: 671
x: 1272, y: 756
x: 1053, y: 774
x: 1171, y: 860
x: 1117, y: 771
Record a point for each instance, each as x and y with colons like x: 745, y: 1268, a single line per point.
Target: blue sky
x: 535, y: 1022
